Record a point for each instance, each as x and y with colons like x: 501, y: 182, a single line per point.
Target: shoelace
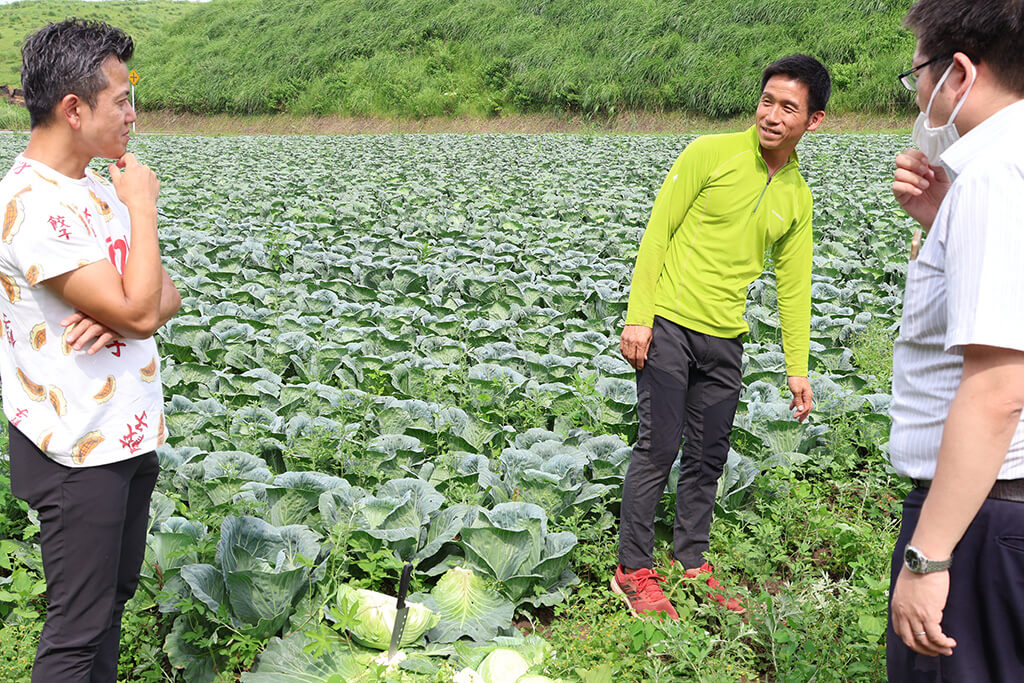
x: 649, y: 581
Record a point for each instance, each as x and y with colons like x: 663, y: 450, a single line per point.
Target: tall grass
x: 435, y: 57
x: 19, y: 19
x: 13, y: 118
x: 479, y: 57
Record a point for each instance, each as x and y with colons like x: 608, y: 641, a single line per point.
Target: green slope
x: 20, y: 19
x: 432, y: 57
x: 480, y: 57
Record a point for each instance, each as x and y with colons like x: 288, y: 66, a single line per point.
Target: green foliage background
x: 13, y: 118
x: 139, y: 19
x: 488, y: 57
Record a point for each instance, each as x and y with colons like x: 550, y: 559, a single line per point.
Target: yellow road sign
x: 133, y: 76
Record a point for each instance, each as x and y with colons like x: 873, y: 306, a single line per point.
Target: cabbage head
x: 467, y: 675
x: 375, y: 618
x: 503, y: 666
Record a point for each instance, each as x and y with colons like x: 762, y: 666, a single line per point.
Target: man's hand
x: 803, y: 397
x: 919, y: 187
x: 635, y: 342
x: 85, y: 328
x: 137, y: 186
x: 917, y: 604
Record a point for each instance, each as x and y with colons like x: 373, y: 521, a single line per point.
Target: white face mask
x: 935, y: 141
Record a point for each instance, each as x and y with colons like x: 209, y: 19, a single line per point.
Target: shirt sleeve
x: 683, y: 184
x: 792, y: 255
x: 52, y: 239
x: 984, y: 257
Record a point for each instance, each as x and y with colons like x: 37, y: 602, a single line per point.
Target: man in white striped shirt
x: 957, y: 599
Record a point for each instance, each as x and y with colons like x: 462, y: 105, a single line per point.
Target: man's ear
x: 69, y: 109
x: 815, y: 120
x: 960, y: 77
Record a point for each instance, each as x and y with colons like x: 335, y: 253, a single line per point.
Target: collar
x: 992, y: 132
x: 755, y: 144
x: 49, y: 174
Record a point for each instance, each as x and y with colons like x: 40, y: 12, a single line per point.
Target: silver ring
x: 922, y: 633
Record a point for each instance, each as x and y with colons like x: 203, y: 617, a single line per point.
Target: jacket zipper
x: 765, y: 188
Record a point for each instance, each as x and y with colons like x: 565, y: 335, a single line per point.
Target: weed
x: 18, y: 649
x: 872, y: 352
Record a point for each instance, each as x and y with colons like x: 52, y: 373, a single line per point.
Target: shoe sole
x: 622, y: 594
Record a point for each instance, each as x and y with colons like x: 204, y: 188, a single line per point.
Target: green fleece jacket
x: 716, y: 215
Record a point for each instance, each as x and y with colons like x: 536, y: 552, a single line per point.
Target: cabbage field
x: 402, y: 349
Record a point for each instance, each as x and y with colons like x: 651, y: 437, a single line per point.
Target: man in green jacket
x: 727, y: 200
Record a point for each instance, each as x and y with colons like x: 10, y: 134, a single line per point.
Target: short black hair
x: 67, y: 58
x: 808, y: 71
x: 991, y: 31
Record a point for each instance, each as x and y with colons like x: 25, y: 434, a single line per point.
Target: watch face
x: 912, y: 559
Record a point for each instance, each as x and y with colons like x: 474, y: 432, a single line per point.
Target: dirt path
x: 630, y: 122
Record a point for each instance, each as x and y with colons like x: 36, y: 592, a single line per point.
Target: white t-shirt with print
x: 82, y: 410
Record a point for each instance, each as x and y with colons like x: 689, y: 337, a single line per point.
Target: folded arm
x: 86, y: 330
x: 136, y: 303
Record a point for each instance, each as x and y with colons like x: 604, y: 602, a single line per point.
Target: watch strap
x: 918, y: 563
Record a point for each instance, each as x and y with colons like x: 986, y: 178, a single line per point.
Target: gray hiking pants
x: 690, y: 385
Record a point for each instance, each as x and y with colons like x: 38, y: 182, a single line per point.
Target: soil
x: 168, y: 122
x: 541, y: 624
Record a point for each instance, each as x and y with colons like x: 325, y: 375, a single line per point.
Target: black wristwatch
x: 916, y: 562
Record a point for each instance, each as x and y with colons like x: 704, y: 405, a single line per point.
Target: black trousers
x: 93, y: 524
x: 690, y: 385
x: 984, y: 612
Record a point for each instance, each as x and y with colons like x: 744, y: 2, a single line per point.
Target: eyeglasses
x: 909, y: 78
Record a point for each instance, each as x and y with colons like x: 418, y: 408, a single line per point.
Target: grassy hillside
x: 22, y: 18
x: 483, y: 57
x: 435, y: 57
x: 13, y: 118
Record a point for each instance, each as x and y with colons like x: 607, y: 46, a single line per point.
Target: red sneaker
x: 642, y: 593
x: 731, y: 604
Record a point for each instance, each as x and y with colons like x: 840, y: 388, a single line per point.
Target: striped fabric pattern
x: 965, y: 287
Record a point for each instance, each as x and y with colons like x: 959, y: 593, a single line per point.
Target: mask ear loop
x: 935, y: 91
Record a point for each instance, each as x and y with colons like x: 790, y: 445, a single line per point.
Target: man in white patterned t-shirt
x: 957, y: 598
x: 83, y: 292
